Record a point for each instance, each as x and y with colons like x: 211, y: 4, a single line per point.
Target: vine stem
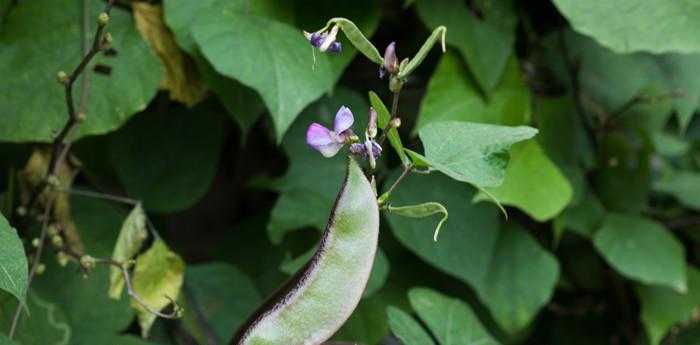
x: 61, y: 143
x: 394, y: 110
x: 35, y: 264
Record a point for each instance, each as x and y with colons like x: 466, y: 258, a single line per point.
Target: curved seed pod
x: 438, y: 34
x: 357, y: 38
x: 313, y: 305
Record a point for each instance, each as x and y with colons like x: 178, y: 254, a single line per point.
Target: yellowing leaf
x: 181, y: 77
x: 131, y: 237
x: 157, y: 281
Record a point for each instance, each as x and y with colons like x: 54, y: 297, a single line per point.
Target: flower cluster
x: 329, y: 142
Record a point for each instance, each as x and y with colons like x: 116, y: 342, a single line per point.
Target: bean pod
x: 319, y: 298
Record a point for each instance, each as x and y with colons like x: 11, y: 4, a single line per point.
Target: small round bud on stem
x: 103, y: 19
x: 62, y: 259
x: 52, y: 230
x: 57, y: 241
x: 21, y: 211
x: 87, y: 262
x: 53, y: 181
x: 106, y: 41
x: 80, y: 117
x: 395, y: 84
x: 372, y: 125
x: 62, y: 77
x: 40, y: 268
x: 35, y: 242
x: 395, y: 122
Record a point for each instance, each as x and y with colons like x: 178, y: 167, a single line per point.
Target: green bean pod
x: 319, y: 298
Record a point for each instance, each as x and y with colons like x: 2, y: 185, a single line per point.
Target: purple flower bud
x: 372, y: 125
x: 329, y: 142
x: 391, y: 62
x: 329, y: 39
x: 315, y: 38
x: 335, y: 48
x: 360, y: 150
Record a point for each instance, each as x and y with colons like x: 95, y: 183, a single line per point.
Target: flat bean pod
x: 316, y: 302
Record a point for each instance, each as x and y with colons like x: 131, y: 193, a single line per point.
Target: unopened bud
x: 52, y: 230
x: 80, y: 117
x: 40, y: 268
x: 106, y: 40
x: 35, y: 242
x: 53, y: 181
x: 391, y: 62
x: 395, y: 122
x: 87, y: 262
x: 372, y: 125
x: 57, y: 241
x: 395, y: 84
x: 103, y: 19
x: 62, y: 77
x: 21, y: 211
x: 62, y: 259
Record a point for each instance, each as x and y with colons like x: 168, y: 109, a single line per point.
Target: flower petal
x: 329, y: 150
x: 343, y: 120
x: 318, y: 135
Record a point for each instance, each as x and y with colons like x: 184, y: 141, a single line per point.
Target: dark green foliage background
x: 601, y: 243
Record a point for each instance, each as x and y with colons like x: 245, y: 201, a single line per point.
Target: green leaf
x: 13, y: 262
x: 46, y: 324
x: 408, y: 330
x: 497, y: 263
x: 423, y: 210
x: 154, y: 156
x: 157, y: 279
x: 485, y: 44
x: 219, y: 296
x: 40, y: 110
x: 450, y: 320
x: 626, y: 243
x: 633, y: 25
x: 453, y: 96
x: 131, y: 237
x: 532, y: 183
x: 413, y: 63
x: 471, y: 152
x: 3, y: 339
x: 582, y: 218
x: 380, y: 269
x: 383, y: 118
x: 663, y: 308
x: 683, y: 185
x: 277, y: 61
x: 309, y: 186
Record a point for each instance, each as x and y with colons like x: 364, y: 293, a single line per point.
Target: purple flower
x: 391, y: 62
x: 360, y: 149
x: 327, y: 141
x: 325, y: 41
x: 372, y: 125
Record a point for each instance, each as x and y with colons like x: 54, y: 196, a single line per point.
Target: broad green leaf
x: 532, y: 183
x: 450, y: 320
x: 219, y: 296
x: 669, y: 145
x: 471, y: 152
x: 583, y: 218
x: 46, y: 324
x: 683, y: 185
x: 626, y: 243
x: 13, y: 262
x: 40, y: 110
x: 276, y: 61
x: 662, y: 307
x: 311, y: 182
x: 453, y: 96
x: 413, y: 63
x: 157, y: 279
x: 368, y: 323
x: 497, y: 263
x: 3, y: 339
x: 131, y: 237
x: 383, y: 118
x: 379, y: 275
x: 485, y: 44
x: 612, y: 80
x: 423, y: 210
x: 83, y: 299
x: 634, y: 25
x: 154, y: 156
x: 408, y: 330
